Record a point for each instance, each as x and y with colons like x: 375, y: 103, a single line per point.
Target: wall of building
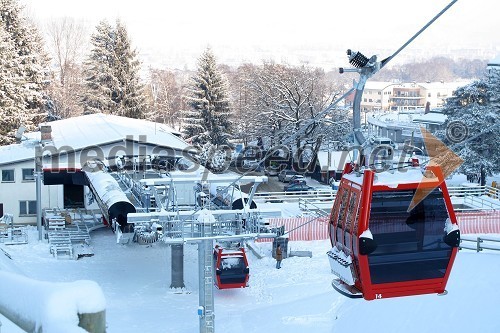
x: 12, y: 193
x: 406, y: 96
x: 21, y: 191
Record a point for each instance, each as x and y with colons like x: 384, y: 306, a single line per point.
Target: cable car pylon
x: 367, y: 67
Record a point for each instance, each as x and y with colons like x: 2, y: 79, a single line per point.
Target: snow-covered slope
x: 297, y: 298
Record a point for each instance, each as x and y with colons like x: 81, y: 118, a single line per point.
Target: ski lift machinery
x: 392, y: 235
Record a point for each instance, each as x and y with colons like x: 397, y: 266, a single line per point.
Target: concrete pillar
x: 177, y: 255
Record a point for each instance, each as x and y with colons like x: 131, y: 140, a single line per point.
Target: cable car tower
x: 391, y: 234
x: 367, y: 67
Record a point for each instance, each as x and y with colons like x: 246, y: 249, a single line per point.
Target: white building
x: 387, y: 96
x: 67, y: 145
x: 494, y: 64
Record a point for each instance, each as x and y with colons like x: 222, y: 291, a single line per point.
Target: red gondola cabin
x: 231, y: 268
x: 382, y: 246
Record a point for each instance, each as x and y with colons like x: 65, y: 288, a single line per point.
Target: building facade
x: 387, y: 96
x: 69, y: 144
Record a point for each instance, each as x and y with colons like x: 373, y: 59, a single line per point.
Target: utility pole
x: 38, y: 179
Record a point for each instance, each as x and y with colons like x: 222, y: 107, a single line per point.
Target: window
x: 27, y: 208
x: 409, y: 244
x: 341, y: 214
x: 7, y: 176
x: 28, y: 175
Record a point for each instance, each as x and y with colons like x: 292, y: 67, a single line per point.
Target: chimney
x: 46, y: 133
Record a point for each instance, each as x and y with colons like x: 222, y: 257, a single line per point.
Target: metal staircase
x: 68, y: 232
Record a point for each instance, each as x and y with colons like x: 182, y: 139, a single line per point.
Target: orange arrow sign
x: 440, y: 156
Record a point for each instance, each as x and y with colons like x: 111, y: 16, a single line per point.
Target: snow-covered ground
x: 297, y: 298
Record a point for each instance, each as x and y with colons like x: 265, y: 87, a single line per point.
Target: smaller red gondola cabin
x: 387, y: 242
x: 231, y: 268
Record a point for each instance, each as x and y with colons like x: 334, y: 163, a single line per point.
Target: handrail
x: 479, y: 243
x: 474, y: 190
x: 473, y: 193
x: 327, y: 195
x: 475, y: 201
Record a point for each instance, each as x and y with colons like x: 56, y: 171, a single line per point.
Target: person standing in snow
x: 279, y: 256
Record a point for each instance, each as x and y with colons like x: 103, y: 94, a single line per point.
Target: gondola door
x: 343, y: 234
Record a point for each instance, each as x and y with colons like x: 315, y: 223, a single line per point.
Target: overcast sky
x: 319, y: 32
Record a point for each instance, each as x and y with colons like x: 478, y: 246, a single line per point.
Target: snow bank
x: 52, y: 306
x: 7, y: 264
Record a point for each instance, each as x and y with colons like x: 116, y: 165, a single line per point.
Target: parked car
x: 377, y: 141
x: 250, y: 164
x: 298, y: 187
x: 297, y: 178
x: 285, y: 175
x: 271, y: 171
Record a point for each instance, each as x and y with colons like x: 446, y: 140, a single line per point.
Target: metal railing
x: 481, y: 201
x: 479, y: 243
x: 320, y: 208
x: 473, y: 196
x: 462, y: 191
x: 275, y: 197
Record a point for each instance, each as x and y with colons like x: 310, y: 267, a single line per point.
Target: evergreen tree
x: 132, y: 99
x: 30, y: 72
x: 12, y: 104
x: 207, y: 119
x: 472, y: 126
x: 112, y: 74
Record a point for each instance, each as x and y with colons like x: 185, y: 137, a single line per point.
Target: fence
x: 301, y: 228
x: 491, y: 243
x: 311, y: 228
x: 479, y: 222
x: 484, y: 196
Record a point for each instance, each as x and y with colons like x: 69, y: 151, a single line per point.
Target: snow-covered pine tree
x: 32, y: 65
x: 133, y: 99
x: 12, y: 104
x: 100, y: 83
x: 207, y: 119
x: 112, y: 74
x: 472, y: 126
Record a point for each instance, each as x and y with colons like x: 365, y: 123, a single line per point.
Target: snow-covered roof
x: 436, y: 85
x: 18, y: 152
x: 99, y: 128
x: 94, y: 130
x: 494, y: 62
x: 393, y: 179
x: 431, y: 118
x: 378, y: 85
x: 337, y: 159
